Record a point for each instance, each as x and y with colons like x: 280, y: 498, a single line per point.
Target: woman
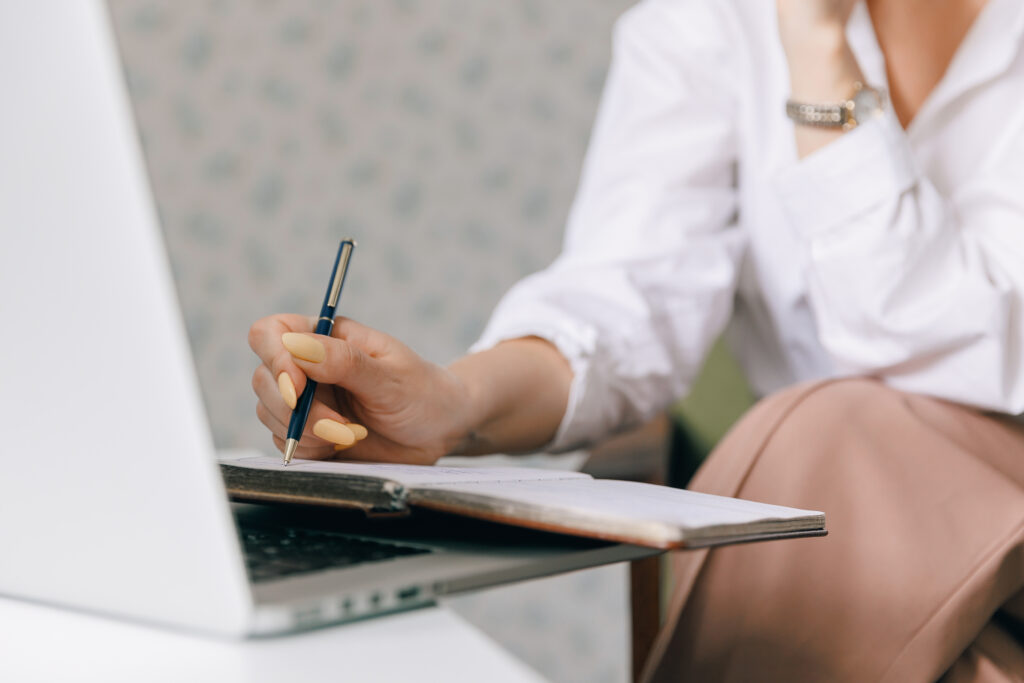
x: 887, y: 245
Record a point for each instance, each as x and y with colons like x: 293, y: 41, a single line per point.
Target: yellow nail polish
x: 359, y: 431
x: 304, y: 347
x: 287, y: 389
x: 335, y: 432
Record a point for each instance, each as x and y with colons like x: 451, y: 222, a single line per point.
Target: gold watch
x: 863, y: 103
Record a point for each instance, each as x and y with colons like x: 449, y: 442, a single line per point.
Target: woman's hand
x: 413, y: 411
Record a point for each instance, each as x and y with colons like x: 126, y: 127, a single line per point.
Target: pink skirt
x: 921, y: 577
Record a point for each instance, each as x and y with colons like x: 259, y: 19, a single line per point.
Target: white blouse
x: 892, y: 253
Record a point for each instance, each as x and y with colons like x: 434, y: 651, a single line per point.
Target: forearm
x: 822, y: 70
x: 516, y: 396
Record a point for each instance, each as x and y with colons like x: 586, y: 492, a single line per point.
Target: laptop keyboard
x: 273, y: 552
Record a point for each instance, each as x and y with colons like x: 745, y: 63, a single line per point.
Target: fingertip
x: 287, y: 389
x: 285, y: 362
x: 334, y: 432
x: 304, y: 347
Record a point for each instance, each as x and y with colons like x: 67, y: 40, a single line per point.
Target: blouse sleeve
x: 922, y: 289
x: 647, y: 274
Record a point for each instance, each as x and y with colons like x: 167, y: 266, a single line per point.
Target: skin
x: 512, y: 398
x: 918, y: 38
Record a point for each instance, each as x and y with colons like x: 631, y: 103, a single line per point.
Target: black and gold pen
x: 323, y: 326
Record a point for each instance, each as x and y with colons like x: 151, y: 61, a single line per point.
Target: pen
x: 323, y: 326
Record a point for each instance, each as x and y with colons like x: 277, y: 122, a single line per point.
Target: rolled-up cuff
x: 848, y: 177
x: 574, y: 340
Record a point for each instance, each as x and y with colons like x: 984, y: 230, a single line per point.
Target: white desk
x: 39, y: 643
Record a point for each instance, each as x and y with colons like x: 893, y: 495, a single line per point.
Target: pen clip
x: 339, y: 273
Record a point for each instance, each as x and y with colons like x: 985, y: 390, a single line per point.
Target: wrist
x: 514, y: 397
x: 468, y: 410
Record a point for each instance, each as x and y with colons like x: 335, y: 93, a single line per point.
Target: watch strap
x: 844, y: 115
x: 819, y: 115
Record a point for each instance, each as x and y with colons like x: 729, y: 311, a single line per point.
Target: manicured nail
x: 359, y: 431
x: 304, y: 347
x: 287, y: 389
x: 334, y: 431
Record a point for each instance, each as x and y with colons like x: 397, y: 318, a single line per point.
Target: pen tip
x: 289, y: 450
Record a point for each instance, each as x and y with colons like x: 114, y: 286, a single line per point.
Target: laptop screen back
x: 109, y: 496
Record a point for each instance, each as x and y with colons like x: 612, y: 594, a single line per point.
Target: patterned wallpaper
x: 444, y: 135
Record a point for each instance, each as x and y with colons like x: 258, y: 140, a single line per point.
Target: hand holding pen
x: 414, y: 410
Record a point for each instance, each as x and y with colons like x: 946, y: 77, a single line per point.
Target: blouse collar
x: 987, y: 51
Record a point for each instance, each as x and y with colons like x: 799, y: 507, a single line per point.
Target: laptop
x: 110, y: 497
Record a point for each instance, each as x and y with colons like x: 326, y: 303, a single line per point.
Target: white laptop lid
x: 109, y: 495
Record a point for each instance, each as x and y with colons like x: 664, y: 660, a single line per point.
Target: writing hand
x: 413, y: 411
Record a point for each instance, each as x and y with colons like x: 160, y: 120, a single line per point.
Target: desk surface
x: 40, y: 643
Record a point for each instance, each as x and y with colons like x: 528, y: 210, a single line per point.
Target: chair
x: 668, y: 450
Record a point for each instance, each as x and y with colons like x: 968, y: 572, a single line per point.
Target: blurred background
x: 446, y: 136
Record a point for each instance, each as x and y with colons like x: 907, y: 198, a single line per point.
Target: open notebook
x: 558, y: 501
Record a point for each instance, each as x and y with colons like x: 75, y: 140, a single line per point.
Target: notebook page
x: 626, y: 507
x: 408, y: 475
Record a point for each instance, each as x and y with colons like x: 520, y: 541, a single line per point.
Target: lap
x: 925, y: 508
x: 995, y: 656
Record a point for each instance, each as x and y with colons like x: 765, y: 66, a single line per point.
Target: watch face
x: 867, y: 102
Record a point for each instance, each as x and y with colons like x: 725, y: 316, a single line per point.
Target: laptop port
x: 409, y: 593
